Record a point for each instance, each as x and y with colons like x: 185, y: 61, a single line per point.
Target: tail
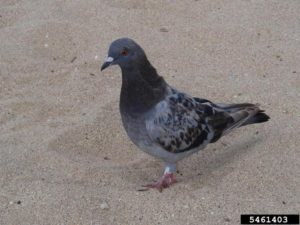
x: 260, y: 117
x: 244, y: 114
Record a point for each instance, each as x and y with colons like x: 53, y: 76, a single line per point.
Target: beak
x: 107, y: 62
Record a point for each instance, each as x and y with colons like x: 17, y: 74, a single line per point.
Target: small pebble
x: 227, y: 219
x: 279, y: 57
x: 19, y: 202
x: 163, y: 30
x: 74, y: 58
x: 142, y: 189
x: 181, y: 174
x: 104, y: 205
x: 283, y: 202
x: 106, y: 158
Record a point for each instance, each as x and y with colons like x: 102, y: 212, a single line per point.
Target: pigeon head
x: 125, y: 53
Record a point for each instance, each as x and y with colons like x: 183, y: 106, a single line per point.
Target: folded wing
x: 181, y: 123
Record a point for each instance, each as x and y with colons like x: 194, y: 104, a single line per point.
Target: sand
x: 64, y: 155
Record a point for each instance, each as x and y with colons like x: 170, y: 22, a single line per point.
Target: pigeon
x: 165, y: 122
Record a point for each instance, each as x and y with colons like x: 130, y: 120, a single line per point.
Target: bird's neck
x: 142, y: 88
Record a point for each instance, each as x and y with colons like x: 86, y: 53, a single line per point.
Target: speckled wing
x: 179, y: 123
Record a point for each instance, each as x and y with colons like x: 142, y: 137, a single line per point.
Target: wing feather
x: 181, y: 123
x: 177, y: 123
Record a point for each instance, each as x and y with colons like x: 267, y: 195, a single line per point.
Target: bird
x: 167, y: 123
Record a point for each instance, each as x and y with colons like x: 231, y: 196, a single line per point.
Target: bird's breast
x: 135, y: 128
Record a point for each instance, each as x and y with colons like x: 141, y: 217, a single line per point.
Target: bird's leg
x: 166, y: 180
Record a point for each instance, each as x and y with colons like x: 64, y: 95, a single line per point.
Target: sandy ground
x: 64, y: 155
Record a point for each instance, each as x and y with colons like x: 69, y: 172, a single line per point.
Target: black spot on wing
x: 181, y: 135
x: 208, y: 110
x: 198, y: 141
x: 180, y: 98
x: 178, y: 143
x: 186, y: 104
x: 173, y: 100
x: 169, y: 148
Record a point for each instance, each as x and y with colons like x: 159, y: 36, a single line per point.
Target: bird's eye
x: 124, y: 52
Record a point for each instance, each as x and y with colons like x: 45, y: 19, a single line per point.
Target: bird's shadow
x: 210, y: 167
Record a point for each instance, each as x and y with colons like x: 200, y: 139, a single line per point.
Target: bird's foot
x: 164, y: 182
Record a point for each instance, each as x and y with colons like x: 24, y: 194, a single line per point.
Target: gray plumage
x: 163, y: 121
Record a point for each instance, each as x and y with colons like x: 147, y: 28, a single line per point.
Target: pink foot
x: 164, y: 182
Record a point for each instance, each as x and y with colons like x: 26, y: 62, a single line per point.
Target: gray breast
x: 135, y: 128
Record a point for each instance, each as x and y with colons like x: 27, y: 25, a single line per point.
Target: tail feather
x: 260, y: 117
x: 231, y: 116
x: 232, y: 108
x: 241, y: 111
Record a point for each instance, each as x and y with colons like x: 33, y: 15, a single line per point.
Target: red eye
x: 124, y: 52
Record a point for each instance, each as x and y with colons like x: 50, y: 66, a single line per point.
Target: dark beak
x: 105, y: 65
x: 108, y: 61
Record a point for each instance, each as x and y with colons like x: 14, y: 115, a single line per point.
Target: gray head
x: 125, y: 53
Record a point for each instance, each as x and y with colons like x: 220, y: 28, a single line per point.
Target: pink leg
x: 164, y: 182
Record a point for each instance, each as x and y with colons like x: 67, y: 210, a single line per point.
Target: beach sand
x: 64, y: 155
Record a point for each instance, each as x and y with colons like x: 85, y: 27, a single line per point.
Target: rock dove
x: 165, y: 122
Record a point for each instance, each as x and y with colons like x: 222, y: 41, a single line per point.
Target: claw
x: 164, y: 182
